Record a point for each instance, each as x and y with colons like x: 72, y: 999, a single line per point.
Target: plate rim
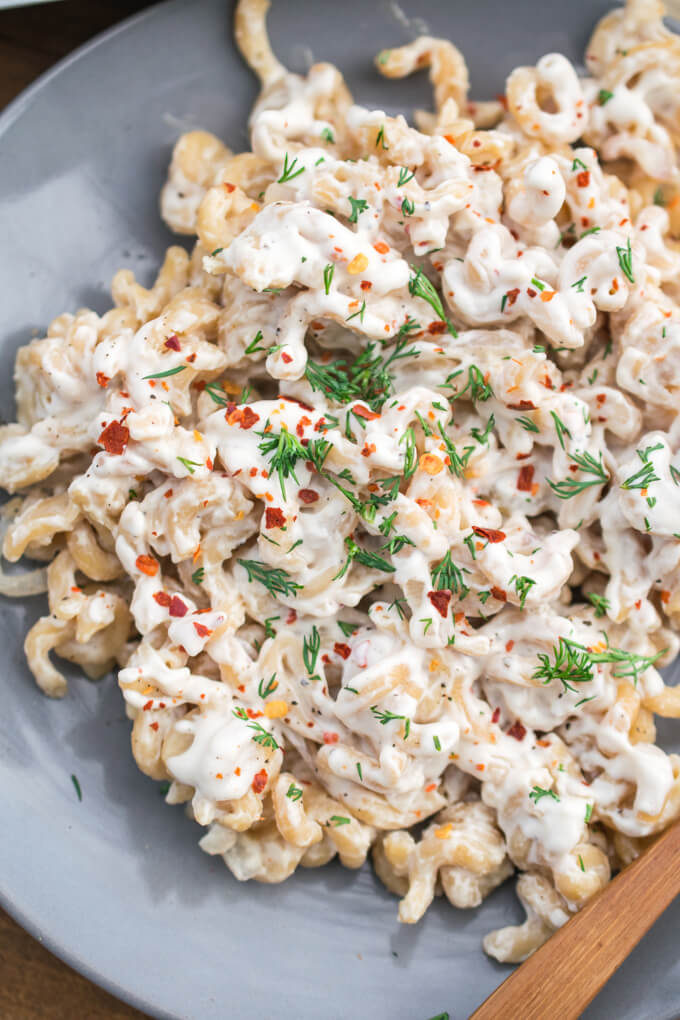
x: 28, y: 920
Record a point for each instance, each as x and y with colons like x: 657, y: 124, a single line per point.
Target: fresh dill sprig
x: 446, y: 576
x: 411, y: 453
x: 476, y: 386
x: 599, y: 602
x: 569, y: 487
x: 165, y: 375
x: 421, y: 286
x: 457, y: 462
x: 527, y: 424
x: 363, y: 556
x: 289, y: 172
x: 358, y: 205
x: 276, y: 580
x: 286, y: 449
x: 261, y: 736
x: 570, y: 666
x: 385, y: 717
x: 310, y: 651
x: 626, y: 261
x: 560, y: 428
x: 644, y: 477
x: 189, y: 464
x: 264, y: 689
x: 523, y: 586
x: 538, y: 792
x: 367, y: 378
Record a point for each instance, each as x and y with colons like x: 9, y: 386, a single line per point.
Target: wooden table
x: 34, y: 985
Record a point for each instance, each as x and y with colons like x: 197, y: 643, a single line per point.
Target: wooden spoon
x: 565, y: 974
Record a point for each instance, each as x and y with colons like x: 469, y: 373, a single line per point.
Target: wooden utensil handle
x: 565, y: 974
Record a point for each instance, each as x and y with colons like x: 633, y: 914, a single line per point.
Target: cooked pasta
x: 373, y: 498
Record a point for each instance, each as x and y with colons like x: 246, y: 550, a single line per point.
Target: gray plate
x: 115, y: 885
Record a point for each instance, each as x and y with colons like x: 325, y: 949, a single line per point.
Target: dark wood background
x: 34, y: 985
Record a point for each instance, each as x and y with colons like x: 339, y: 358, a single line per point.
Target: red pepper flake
x: 665, y: 597
x: 307, y: 495
x: 531, y: 292
x: 229, y: 187
x: 499, y: 594
x: 177, y: 607
x: 368, y: 449
x: 103, y: 380
x: 330, y: 738
x: 202, y: 630
x: 342, y: 649
x: 525, y: 478
x: 302, y: 424
x: 512, y: 295
x: 430, y: 787
x: 583, y: 179
x: 148, y: 705
x: 517, y: 730
x: 478, y: 502
x: 496, y: 715
x: 436, y: 328
x: 147, y: 564
x: 365, y: 284
x: 292, y: 617
x: 191, y: 358
x: 114, y: 438
x: 490, y: 534
x: 172, y: 343
x: 381, y: 247
x: 286, y: 358
x: 154, y: 726
x: 162, y: 598
x: 509, y: 646
x: 248, y: 418
x: 523, y: 405
x: 440, y: 600
x: 260, y: 780
x: 363, y: 412
x: 274, y: 517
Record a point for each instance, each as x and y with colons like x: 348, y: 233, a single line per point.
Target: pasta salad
x: 373, y: 497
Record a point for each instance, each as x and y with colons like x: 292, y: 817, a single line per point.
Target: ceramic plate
x: 115, y: 884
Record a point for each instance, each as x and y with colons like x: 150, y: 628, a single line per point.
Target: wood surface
x: 571, y: 968
x: 34, y: 984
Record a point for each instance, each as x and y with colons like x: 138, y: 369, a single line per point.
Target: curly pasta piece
x: 196, y: 159
x: 447, y: 67
x: 545, y: 914
x: 463, y: 837
x: 555, y: 78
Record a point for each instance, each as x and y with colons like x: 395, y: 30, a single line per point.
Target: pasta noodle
x: 373, y: 498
